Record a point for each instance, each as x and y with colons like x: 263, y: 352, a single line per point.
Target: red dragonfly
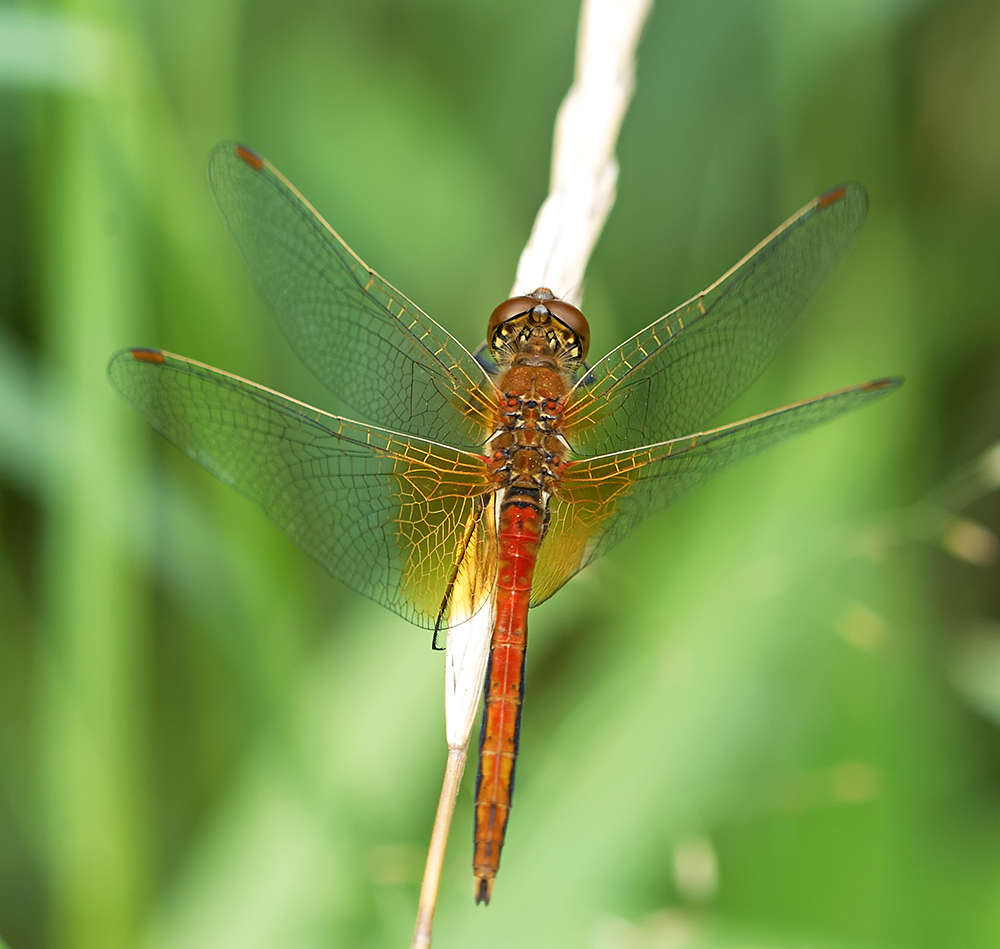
x: 513, y: 468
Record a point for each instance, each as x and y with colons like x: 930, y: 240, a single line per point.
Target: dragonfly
x: 490, y: 477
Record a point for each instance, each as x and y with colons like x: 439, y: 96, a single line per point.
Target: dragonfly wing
x: 600, y: 500
x: 361, y: 337
x: 678, y: 373
x: 388, y: 514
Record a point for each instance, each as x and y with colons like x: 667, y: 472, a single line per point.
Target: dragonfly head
x: 539, y: 325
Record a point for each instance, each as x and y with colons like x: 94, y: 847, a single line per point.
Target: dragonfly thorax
x: 538, y: 330
x: 528, y: 449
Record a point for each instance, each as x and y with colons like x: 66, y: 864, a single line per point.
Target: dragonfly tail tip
x: 484, y: 889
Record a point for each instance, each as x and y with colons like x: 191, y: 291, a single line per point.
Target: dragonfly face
x: 538, y: 325
x: 512, y: 480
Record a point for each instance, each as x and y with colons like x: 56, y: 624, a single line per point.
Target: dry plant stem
x: 453, y: 771
x: 584, y: 168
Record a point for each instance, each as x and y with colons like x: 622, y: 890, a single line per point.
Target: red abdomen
x: 519, y: 533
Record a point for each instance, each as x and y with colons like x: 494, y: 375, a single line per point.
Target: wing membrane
x: 390, y: 515
x: 600, y: 500
x: 353, y: 329
x: 676, y: 375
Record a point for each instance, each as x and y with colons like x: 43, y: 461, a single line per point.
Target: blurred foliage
x: 770, y: 719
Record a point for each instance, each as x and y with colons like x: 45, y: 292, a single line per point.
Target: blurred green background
x: 769, y: 719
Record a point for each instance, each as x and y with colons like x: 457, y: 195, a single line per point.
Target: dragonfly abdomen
x: 519, y: 534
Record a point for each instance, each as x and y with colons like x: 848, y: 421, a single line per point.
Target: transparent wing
x: 360, y: 336
x: 678, y: 373
x: 390, y: 515
x: 600, y: 500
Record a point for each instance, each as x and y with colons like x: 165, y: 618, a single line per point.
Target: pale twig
x: 584, y: 167
x: 453, y: 771
x: 581, y: 194
x: 467, y: 649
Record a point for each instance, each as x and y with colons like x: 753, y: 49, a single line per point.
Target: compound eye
x: 573, y: 319
x: 507, y: 310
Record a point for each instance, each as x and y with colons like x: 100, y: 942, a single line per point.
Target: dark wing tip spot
x: 250, y: 157
x: 831, y: 197
x: 877, y: 384
x: 147, y: 355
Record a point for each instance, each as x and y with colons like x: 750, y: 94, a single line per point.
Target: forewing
x: 678, y: 373
x: 390, y: 515
x: 600, y: 500
x: 361, y: 337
